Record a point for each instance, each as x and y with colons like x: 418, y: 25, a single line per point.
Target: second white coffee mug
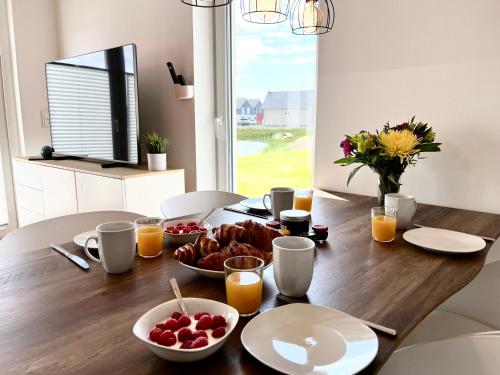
x: 406, y: 206
x: 293, y: 262
x: 281, y: 200
x: 116, y: 242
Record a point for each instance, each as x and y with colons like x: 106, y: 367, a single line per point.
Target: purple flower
x: 401, y: 127
x: 347, y: 146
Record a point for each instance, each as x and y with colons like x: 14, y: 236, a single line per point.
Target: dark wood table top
x: 56, y: 318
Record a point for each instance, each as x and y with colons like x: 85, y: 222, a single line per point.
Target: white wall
x: 388, y: 60
x: 162, y: 31
x: 35, y: 36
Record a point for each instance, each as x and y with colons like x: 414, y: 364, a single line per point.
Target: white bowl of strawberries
x: 180, y: 338
x: 180, y: 232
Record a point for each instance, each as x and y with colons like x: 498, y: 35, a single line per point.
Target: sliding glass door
x: 273, y: 101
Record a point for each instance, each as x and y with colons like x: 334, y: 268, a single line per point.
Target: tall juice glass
x: 149, y: 233
x: 384, y: 223
x: 244, y: 283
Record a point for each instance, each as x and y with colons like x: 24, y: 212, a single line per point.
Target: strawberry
x: 199, y: 343
x: 218, y: 332
x: 198, y: 315
x: 172, y: 324
x: 167, y: 338
x: 187, y: 344
x: 197, y: 334
x: 184, y: 321
x: 176, y: 315
x: 184, y: 334
x: 219, y: 321
x: 155, y: 333
x: 205, y: 322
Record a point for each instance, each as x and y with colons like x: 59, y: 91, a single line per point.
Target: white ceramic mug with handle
x: 116, y: 244
x: 293, y: 263
x: 406, y: 206
x: 281, y: 200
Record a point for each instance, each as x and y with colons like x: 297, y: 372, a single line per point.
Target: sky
x: 272, y: 58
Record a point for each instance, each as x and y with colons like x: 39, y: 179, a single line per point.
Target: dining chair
x: 464, y: 355
x: 57, y: 230
x: 475, y: 308
x: 198, y: 202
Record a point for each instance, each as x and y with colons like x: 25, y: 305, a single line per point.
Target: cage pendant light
x: 312, y: 17
x: 265, y: 11
x: 207, y: 3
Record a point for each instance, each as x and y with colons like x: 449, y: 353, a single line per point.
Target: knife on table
x: 74, y: 258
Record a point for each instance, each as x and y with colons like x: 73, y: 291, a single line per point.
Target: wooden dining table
x: 56, y: 318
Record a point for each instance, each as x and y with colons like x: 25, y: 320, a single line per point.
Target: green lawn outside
x: 283, y: 163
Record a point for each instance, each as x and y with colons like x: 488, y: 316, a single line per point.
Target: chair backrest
x: 57, y: 230
x: 198, y: 202
x: 480, y: 299
x: 464, y: 355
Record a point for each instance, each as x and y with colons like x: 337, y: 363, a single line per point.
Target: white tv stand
x: 51, y: 188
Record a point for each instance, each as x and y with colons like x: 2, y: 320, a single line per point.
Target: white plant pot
x: 157, y: 162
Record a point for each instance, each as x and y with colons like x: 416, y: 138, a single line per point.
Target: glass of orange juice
x: 304, y: 199
x: 149, y: 232
x: 244, y: 283
x: 384, y: 223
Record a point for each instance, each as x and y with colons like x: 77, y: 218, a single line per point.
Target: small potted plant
x: 157, y: 151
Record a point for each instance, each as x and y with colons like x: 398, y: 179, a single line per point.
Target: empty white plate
x: 80, y: 239
x: 445, y: 241
x: 309, y: 339
x: 254, y: 204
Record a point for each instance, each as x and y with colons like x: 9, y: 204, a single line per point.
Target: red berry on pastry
x: 184, y: 321
x: 187, y: 344
x: 219, y: 321
x: 218, y: 332
x: 155, y: 333
x: 205, y: 322
x: 185, y: 334
x: 176, y: 315
x: 172, y: 324
x: 198, y: 315
x: 167, y: 338
x: 199, y: 343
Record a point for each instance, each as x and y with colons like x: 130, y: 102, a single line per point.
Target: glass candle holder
x: 244, y: 283
x: 149, y: 232
x: 384, y: 223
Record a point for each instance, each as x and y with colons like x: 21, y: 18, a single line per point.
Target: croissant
x: 215, y: 261
x: 260, y: 236
x: 205, y: 245
x: 230, y: 232
x: 239, y: 249
x: 186, y: 254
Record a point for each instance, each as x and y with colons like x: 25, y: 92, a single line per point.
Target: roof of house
x: 240, y: 102
x: 254, y: 102
x: 288, y: 99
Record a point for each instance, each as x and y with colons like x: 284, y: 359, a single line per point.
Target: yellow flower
x: 399, y: 143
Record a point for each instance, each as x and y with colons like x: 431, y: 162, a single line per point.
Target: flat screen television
x: 93, y: 105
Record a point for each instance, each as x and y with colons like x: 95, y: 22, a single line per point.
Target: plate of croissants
x: 206, y: 256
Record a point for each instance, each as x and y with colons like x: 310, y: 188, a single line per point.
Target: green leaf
x: 353, y: 172
x: 429, y: 147
x: 346, y: 161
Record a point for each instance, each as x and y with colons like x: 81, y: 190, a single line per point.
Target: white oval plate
x: 80, y: 239
x: 254, y: 204
x: 444, y: 241
x: 310, y: 339
x: 209, y: 273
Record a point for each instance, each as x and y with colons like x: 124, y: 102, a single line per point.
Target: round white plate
x: 254, y: 204
x: 80, y: 239
x: 209, y: 273
x: 445, y: 241
x: 309, y: 339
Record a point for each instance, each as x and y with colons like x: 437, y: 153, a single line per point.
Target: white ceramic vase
x: 157, y: 162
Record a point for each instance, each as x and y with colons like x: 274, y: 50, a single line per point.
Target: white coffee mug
x: 406, y: 206
x: 281, y: 200
x: 293, y: 262
x: 116, y: 242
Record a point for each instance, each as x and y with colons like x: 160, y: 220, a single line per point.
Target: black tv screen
x: 93, y: 105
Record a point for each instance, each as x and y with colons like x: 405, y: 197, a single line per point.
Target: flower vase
x: 387, y: 184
